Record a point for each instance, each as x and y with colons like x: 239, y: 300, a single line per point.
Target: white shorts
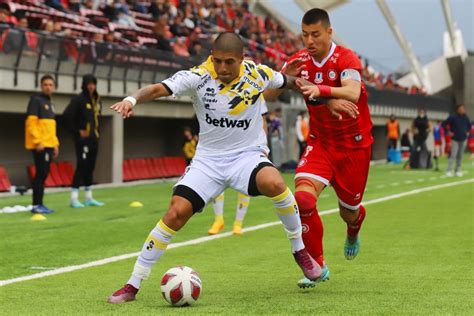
x: 210, y: 176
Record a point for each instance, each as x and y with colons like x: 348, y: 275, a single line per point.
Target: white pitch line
x: 208, y: 238
x: 395, y: 184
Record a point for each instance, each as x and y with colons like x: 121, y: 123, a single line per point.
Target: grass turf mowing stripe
x: 208, y: 238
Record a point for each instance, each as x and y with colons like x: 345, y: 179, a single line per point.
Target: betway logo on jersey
x: 228, y: 123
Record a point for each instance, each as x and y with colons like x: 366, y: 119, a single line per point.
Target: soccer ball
x: 181, y: 286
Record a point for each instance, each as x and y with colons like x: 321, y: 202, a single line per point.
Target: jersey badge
x: 319, y: 77
x: 332, y: 75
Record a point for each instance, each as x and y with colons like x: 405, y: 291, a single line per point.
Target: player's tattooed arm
x: 148, y: 93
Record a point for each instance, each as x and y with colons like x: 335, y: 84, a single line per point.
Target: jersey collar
x: 331, y: 51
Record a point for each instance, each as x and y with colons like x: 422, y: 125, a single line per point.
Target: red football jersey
x: 345, y: 133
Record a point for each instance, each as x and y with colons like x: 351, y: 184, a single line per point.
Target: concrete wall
x: 155, y: 130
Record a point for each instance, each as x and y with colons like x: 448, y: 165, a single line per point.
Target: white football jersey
x: 229, y: 115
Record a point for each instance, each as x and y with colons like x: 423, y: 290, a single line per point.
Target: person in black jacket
x: 421, y: 128
x: 83, y: 116
x: 459, y: 128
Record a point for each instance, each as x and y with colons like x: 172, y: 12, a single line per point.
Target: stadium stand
x: 153, y: 168
x: 60, y: 174
x: 184, y: 28
x: 5, y: 184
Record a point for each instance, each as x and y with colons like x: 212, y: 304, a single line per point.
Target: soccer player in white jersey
x: 227, y: 94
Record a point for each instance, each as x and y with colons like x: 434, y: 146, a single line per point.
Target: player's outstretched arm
x: 148, y: 93
x: 292, y: 68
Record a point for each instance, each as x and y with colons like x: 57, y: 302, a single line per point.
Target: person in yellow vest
x: 393, y: 132
x: 41, y: 139
x: 190, y: 144
x: 302, y: 131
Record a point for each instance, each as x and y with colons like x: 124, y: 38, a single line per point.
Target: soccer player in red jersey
x: 339, y: 147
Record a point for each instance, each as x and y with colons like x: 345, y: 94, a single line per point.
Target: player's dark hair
x: 315, y: 16
x: 229, y: 42
x: 47, y: 77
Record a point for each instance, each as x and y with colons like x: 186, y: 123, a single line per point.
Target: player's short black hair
x: 47, y: 77
x: 229, y: 42
x: 315, y: 16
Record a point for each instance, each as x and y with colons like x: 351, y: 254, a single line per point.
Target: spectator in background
x: 421, y: 127
x: 393, y: 132
x: 438, y: 135
x: 447, y: 139
x: 6, y: 19
x: 41, y: 139
x: 471, y: 141
x: 20, y: 39
x: 124, y: 19
x: 59, y: 31
x: 302, y: 131
x: 275, y: 133
x: 55, y: 4
x: 83, y: 116
x: 405, y: 147
x: 180, y: 48
x: 189, y: 145
x: 405, y: 142
x: 460, y: 127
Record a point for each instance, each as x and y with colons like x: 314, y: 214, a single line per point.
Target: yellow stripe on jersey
x: 262, y: 69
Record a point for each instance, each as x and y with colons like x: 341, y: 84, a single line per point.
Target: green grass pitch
x: 416, y: 255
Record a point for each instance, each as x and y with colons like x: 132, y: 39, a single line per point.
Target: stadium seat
x: 165, y: 166
x: 176, y: 165
x: 159, y: 168
x: 5, y: 184
x: 31, y: 170
x: 56, y: 175
x: 66, y: 171
x: 127, y: 176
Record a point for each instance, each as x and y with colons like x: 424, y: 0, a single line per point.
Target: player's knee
x: 306, y: 202
x: 177, y: 214
x: 275, y: 187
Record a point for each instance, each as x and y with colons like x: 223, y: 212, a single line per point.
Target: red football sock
x: 312, y: 225
x: 353, y: 229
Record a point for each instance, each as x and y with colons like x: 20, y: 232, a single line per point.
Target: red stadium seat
x: 66, y: 171
x: 127, y: 175
x: 5, y: 184
x: 31, y: 170
x: 159, y: 168
x: 176, y: 165
x: 55, y: 175
x: 165, y: 166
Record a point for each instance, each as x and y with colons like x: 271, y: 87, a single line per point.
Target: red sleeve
x: 349, y: 60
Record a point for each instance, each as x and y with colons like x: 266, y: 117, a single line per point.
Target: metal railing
x: 40, y: 52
